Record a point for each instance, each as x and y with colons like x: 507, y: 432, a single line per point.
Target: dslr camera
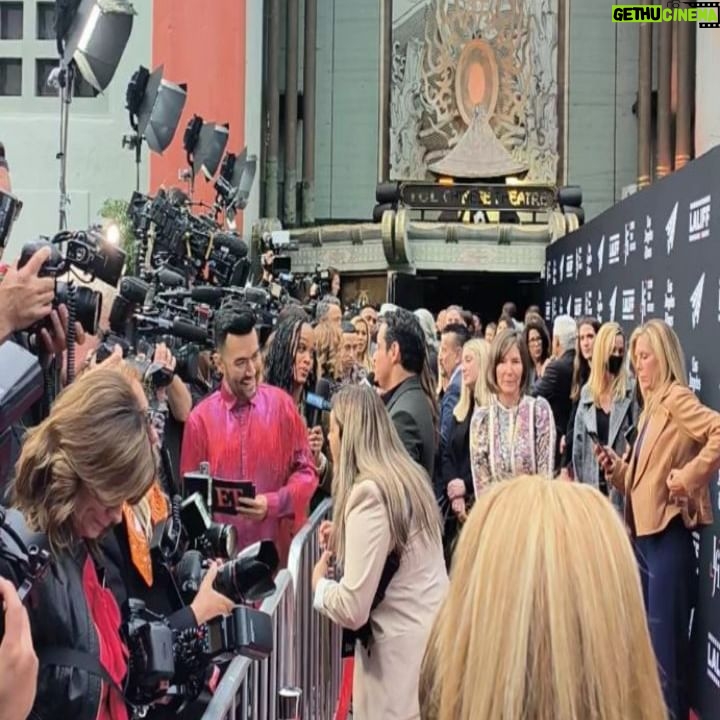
x: 88, y: 252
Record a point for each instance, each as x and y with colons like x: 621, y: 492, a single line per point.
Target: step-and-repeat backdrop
x: 657, y: 254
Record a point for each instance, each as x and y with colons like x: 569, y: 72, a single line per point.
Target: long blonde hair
x: 667, y: 350
x: 328, y: 339
x: 76, y: 448
x: 602, y: 350
x: 537, y: 623
x: 370, y: 449
x: 365, y: 360
x: 479, y: 395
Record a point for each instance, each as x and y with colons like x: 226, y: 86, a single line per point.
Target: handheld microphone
x: 170, y: 278
x: 208, y: 294
x: 179, y: 328
x: 318, y: 401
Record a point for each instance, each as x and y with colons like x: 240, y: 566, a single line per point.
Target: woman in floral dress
x: 515, y: 434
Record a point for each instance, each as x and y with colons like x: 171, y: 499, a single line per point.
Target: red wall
x: 201, y: 43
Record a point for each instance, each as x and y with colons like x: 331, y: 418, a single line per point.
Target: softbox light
x: 96, y: 39
x: 241, y: 179
x: 160, y: 110
x: 210, y: 148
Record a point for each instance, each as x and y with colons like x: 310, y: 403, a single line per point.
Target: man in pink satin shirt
x: 248, y: 431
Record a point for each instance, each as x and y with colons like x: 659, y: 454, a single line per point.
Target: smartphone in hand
x: 594, y: 437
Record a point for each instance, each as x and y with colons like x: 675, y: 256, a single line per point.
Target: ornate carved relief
x: 452, y: 55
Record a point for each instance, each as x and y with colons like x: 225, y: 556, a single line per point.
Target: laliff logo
x: 699, y: 219
x: 554, y: 272
x: 588, y: 261
x: 694, y: 380
x: 548, y: 272
x: 569, y: 305
x: 648, y: 238
x: 630, y: 242
x: 578, y: 307
x: 696, y: 301
x: 713, y: 660
x: 569, y: 270
x: 670, y: 228
x: 715, y: 567
x: 562, y: 268
x: 647, y: 306
x: 578, y: 261
x: 669, y: 304
x: 599, y: 309
x: 548, y: 309
x: 612, y: 303
x: 628, y: 305
x: 601, y: 250
x: 588, y: 303
x: 614, y: 249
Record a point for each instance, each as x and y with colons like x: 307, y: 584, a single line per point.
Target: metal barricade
x: 249, y: 689
x: 316, y: 640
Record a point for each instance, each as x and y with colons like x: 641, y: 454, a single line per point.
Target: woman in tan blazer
x: 665, y: 481
x: 385, y: 532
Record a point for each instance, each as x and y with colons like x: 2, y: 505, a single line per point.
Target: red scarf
x: 105, y: 614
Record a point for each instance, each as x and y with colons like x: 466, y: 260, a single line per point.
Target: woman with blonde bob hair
x: 76, y: 471
x: 538, y: 624
x: 607, y: 410
x: 665, y: 482
x: 385, y: 535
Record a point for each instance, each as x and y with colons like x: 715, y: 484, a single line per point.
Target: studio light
x: 94, y: 36
x: 204, y: 143
x: 234, y: 183
x: 155, y: 106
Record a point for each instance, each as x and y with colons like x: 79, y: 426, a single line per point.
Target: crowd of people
x: 512, y: 506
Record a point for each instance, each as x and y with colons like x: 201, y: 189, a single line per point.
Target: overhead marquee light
x: 155, y: 107
x: 94, y: 34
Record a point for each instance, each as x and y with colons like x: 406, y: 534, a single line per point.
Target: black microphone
x: 179, y: 328
x: 208, y: 294
x: 233, y: 242
x: 170, y: 278
x: 318, y: 401
x: 134, y: 289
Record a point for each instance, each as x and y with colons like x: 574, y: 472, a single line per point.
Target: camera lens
x: 223, y: 539
x: 88, y: 305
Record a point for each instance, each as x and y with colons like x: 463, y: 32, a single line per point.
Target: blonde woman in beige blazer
x: 665, y: 483
x: 384, y: 511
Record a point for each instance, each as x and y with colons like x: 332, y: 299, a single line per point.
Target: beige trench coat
x: 386, y: 677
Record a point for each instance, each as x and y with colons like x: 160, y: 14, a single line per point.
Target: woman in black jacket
x: 72, y: 480
x: 457, y: 490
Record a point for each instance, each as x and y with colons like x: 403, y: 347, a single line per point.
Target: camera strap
x: 80, y: 660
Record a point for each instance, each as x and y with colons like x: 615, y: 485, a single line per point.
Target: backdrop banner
x: 657, y: 254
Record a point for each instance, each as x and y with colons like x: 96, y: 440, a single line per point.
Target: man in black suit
x: 399, y: 360
x: 556, y: 383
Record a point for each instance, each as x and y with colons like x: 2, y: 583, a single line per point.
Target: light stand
x: 62, y: 78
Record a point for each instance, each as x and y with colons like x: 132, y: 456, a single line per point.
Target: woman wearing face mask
x: 665, y: 481
x: 72, y: 480
x: 588, y: 328
x: 606, y: 410
x: 515, y: 433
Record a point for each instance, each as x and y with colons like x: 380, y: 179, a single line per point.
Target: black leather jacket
x: 59, y: 617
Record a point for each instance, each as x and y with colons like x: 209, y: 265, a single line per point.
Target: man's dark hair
x: 280, y: 360
x: 510, y: 308
x: 461, y: 333
x: 403, y: 328
x: 348, y: 328
x: 233, y: 318
x: 368, y: 305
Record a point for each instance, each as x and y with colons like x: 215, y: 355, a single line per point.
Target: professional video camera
x: 87, y: 251
x: 194, y: 244
x: 23, y: 560
x: 158, y: 654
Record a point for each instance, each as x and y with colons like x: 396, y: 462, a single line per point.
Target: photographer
x: 73, y: 479
x: 18, y: 662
